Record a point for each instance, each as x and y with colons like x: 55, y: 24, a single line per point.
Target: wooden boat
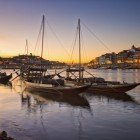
x: 99, y: 85
x: 4, y: 79
x: 61, y: 90
x: 37, y: 80
x: 110, y: 88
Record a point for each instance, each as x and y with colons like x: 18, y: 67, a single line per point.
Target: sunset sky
x: 115, y: 22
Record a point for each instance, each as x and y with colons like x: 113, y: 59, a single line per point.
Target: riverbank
x: 115, y: 67
x: 4, y: 136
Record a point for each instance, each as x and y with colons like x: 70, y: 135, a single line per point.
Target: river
x: 27, y: 116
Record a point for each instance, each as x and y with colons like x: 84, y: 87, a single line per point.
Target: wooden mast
x: 79, y: 69
x: 27, y: 46
x: 79, y: 29
x: 43, y: 24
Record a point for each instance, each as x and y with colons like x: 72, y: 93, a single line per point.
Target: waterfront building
x: 134, y: 56
x: 137, y: 58
x: 122, y: 56
x: 94, y: 63
x: 107, y: 59
x: 125, y: 58
x: 102, y: 60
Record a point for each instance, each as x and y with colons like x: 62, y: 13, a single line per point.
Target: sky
x: 115, y: 22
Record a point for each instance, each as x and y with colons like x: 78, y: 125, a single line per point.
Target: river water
x: 27, y: 116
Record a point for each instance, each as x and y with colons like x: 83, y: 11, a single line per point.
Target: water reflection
x: 116, y: 96
x: 25, y: 99
x: 43, y: 99
x: 89, y: 116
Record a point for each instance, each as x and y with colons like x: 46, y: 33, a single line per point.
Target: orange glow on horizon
x: 108, y: 29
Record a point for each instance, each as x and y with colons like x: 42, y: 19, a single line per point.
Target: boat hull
x: 36, y: 87
x: 122, y: 88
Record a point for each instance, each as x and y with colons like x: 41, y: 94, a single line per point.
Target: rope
x: 38, y: 37
x: 74, y: 42
x: 57, y: 38
x: 95, y: 35
x: 83, y: 46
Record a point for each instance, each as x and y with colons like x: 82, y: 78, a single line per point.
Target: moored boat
x: 61, y: 90
x: 99, y: 85
x: 4, y: 78
x: 110, y: 88
x: 37, y: 80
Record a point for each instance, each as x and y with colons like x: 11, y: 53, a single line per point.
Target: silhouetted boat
x: 37, y: 80
x: 49, y: 88
x: 4, y: 78
x: 99, y: 85
x: 112, y: 88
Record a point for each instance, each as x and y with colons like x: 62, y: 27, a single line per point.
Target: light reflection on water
x: 37, y: 117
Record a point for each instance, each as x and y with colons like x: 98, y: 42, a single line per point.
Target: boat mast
x: 79, y: 29
x: 27, y: 46
x: 43, y: 24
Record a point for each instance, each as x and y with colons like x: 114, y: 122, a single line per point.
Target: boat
x: 112, y: 88
x: 98, y: 84
x: 4, y: 78
x: 37, y: 80
x: 50, y: 88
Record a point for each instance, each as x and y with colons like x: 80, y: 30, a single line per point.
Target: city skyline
x: 116, y: 24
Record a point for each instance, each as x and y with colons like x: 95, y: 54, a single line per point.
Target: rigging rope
x: 38, y: 38
x: 74, y: 42
x: 95, y: 35
x: 47, y: 48
x: 83, y: 47
x: 57, y: 38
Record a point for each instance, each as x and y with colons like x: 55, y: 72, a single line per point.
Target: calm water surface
x: 27, y: 116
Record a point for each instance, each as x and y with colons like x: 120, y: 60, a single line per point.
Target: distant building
x: 124, y: 58
x: 137, y: 57
x: 93, y: 63
x: 107, y: 59
x: 135, y: 49
x: 102, y: 60
x: 25, y: 60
